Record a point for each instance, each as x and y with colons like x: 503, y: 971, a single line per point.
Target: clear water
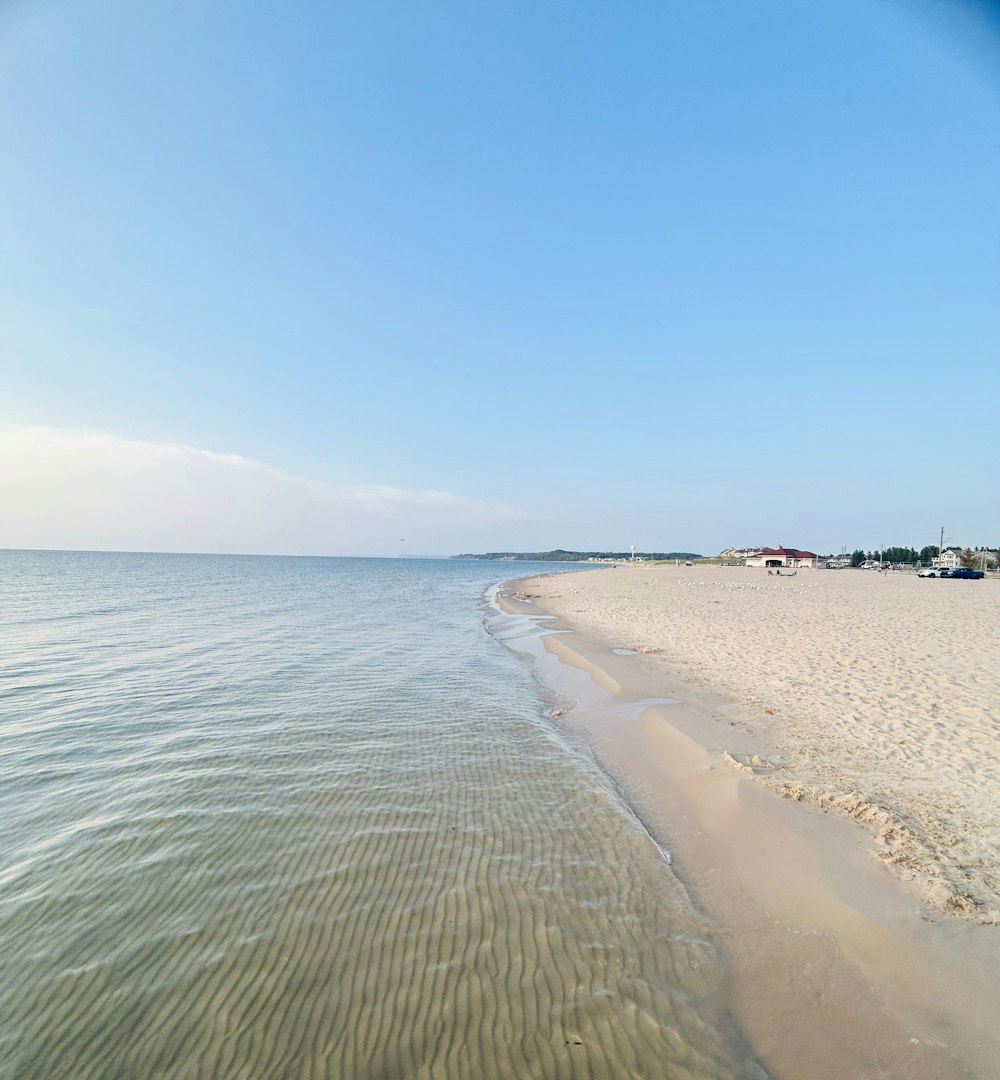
x: 294, y: 817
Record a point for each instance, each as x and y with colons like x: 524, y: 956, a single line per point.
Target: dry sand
x: 872, y: 703
x: 875, y: 695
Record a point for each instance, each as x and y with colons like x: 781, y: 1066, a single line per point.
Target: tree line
x: 967, y: 556
x: 895, y: 555
x: 559, y: 555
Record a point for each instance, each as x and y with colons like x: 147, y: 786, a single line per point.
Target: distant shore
x: 876, y: 697
x: 561, y: 555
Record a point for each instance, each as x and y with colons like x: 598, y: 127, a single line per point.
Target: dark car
x: 967, y: 572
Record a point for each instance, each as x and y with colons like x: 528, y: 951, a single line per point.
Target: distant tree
x: 930, y: 552
x: 858, y: 558
x: 967, y: 557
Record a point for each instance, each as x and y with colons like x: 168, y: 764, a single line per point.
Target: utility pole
x: 941, y: 545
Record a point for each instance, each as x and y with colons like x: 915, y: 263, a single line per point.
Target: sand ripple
x: 290, y: 818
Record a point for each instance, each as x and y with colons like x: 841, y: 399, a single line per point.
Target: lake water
x: 308, y: 818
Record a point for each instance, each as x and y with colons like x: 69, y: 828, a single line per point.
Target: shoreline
x: 838, y: 964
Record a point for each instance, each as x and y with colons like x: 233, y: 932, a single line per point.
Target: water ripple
x: 305, y: 818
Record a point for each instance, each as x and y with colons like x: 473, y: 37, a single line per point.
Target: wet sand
x: 856, y: 912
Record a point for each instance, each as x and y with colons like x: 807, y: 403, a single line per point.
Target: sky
x: 384, y: 278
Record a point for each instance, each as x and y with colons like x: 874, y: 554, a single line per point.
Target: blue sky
x: 677, y: 275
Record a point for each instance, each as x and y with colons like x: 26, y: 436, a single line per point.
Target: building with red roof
x: 784, y: 557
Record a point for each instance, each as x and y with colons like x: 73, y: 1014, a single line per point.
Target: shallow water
x: 291, y: 817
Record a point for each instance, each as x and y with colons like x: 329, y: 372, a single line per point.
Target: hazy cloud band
x: 67, y: 489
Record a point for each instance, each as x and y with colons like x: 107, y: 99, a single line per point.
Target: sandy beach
x: 829, y: 785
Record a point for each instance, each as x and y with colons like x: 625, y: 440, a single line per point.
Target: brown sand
x: 872, y: 695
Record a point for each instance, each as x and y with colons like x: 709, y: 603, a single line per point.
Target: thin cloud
x: 68, y: 489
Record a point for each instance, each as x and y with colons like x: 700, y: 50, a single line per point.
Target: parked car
x: 967, y: 572
x: 935, y: 571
